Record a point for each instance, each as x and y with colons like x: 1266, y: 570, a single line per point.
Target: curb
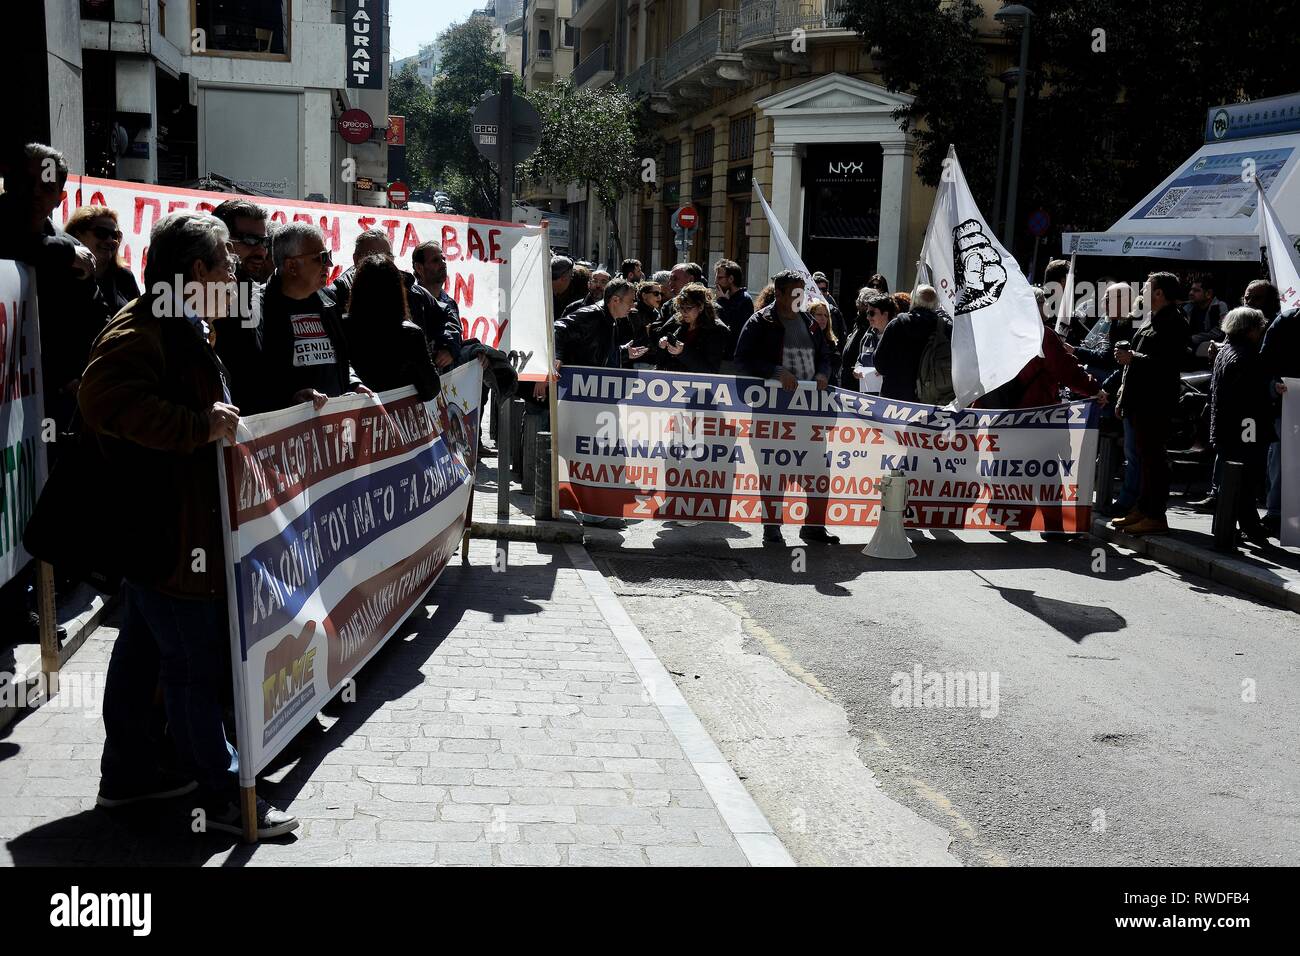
x: 555, y: 532
x: 739, y: 812
x: 1223, y: 568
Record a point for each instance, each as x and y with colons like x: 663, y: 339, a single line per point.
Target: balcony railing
x: 775, y: 19
x: 712, y: 37
x: 598, y: 60
x: 644, y: 80
x: 541, y: 57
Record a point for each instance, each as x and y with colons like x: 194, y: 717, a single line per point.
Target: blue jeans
x: 1274, y: 503
x: 1128, y: 494
x: 182, y: 644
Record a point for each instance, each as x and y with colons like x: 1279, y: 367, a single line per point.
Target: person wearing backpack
x: 914, y: 357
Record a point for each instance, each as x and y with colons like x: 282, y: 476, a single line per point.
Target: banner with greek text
x: 662, y: 445
x: 22, y: 453
x: 499, y: 273
x: 340, y: 522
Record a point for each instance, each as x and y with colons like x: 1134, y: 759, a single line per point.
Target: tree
x: 408, y: 96
x: 598, y: 137
x: 930, y: 50
x: 470, y: 70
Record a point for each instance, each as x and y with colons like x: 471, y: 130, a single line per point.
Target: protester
x: 1280, y: 358
x: 371, y: 242
x: 766, y: 296
x: 440, y: 319
x: 1240, y: 412
x: 596, y: 283
x: 1149, y: 394
x: 247, y: 223
x: 879, y: 283
x: 304, y: 349
x: 96, y: 228
x: 781, y: 342
x: 681, y: 275
x: 904, y: 343
x: 1115, y: 324
x: 631, y: 271
x: 1205, y: 313
x: 734, y: 303
x: 875, y: 310
x: 837, y: 323
x: 821, y: 313
x: 587, y: 336
x: 635, y: 328
x: 561, y: 279
x: 902, y: 301
x: 662, y: 278
x: 579, y: 282
x: 388, y: 350
x: 155, y: 397
x: 694, y: 339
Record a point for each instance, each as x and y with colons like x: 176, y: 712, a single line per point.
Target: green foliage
x: 929, y: 49
x: 597, y: 137
x: 440, y: 150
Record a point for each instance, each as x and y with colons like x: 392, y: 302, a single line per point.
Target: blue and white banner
x: 673, y: 446
x: 339, y: 523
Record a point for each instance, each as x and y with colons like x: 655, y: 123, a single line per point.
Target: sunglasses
x: 324, y: 257
x: 104, y: 233
x: 249, y: 239
x: 653, y: 292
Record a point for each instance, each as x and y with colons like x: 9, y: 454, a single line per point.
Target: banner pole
x: 47, y: 608
x: 552, y: 387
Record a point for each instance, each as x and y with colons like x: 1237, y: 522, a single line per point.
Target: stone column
x: 641, y: 28
x: 720, y: 215
x: 787, y: 194
x: 895, y: 212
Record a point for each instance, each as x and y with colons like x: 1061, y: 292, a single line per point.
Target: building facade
x: 773, y: 92
x: 243, y: 95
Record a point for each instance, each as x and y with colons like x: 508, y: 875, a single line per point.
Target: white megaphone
x: 890, y: 540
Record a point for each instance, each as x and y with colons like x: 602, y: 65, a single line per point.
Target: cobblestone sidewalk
x: 518, y: 719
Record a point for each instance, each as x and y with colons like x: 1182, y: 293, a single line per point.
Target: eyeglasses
x: 324, y: 257
x: 250, y: 239
x: 104, y: 233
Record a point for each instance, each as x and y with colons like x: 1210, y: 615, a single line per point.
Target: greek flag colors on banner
x: 997, y: 328
x: 499, y: 273
x: 1283, y: 263
x: 668, y: 446
x: 786, y: 252
x: 22, y: 457
x: 340, y: 522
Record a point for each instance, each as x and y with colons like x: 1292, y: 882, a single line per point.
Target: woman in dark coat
x: 388, y: 350
x: 1241, y: 417
x: 875, y: 309
x: 694, y: 339
x: 636, y: 327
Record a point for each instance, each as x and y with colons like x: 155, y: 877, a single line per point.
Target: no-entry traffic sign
x: 399, y: 193
x: 687, y: 217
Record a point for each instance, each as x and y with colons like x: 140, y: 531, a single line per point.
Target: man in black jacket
x: 735, y: 305
x: 304, y: 349
x: 438, y: 313
x: 1148, y: 393
x: 784, y: 343
x: 1280, y: 358
x: 898, y: 356
x: 586, y: 337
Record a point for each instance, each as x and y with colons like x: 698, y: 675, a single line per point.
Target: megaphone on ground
x: 890, y: 540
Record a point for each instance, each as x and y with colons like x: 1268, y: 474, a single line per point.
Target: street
x: 1143, y: 717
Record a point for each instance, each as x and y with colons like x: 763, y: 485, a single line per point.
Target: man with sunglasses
x: 246, y: 222
x: 304, y: 354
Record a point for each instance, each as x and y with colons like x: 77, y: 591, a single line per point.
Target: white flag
x: 1283, y: 264
x: 1065, y: 308
x: 785, y: 251
x: 997, y: 328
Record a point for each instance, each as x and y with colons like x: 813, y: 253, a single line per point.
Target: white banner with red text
x: 340, y: 522
x: 499, y: 273
x: 22, y: 451
x: 666, y: 446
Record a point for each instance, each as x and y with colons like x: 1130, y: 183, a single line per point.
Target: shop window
x: 703, y: 154
x: 742, y: 138
x: 673, y: 159
x: 250, y: 28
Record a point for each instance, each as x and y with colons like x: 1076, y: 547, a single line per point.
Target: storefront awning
x: 1205, y: 209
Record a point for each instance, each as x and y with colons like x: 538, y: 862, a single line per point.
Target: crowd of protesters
x: 141, y: 396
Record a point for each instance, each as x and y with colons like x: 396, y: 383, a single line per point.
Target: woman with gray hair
x: 1241, y: 419
x: 156, y: 402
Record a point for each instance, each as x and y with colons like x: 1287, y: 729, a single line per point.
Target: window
x: 162, y: 17
x: 544, y: 43
x: 244, y: 28
x: 673, y: 159
x: 703, y: 144
x: 568, y: 35
x: 742, y: 138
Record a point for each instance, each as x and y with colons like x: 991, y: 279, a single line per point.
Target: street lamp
x: 1007, y: 78
x: 1012, y: 15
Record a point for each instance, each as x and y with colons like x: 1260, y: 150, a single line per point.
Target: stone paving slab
x: 505, y: 724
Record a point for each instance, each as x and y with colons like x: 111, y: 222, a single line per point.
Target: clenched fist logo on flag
x: 980, y: 273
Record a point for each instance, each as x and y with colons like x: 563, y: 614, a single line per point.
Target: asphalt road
x: 1142, y: 716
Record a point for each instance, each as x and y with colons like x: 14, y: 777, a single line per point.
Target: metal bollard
x: 1224, y: 528
x: 528, y: 444
x: 516, y: 427
x: 1106, y: 457
x: 543, y: 507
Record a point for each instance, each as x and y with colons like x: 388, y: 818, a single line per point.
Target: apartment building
x: 776, y: 92
x: 245, y: 93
